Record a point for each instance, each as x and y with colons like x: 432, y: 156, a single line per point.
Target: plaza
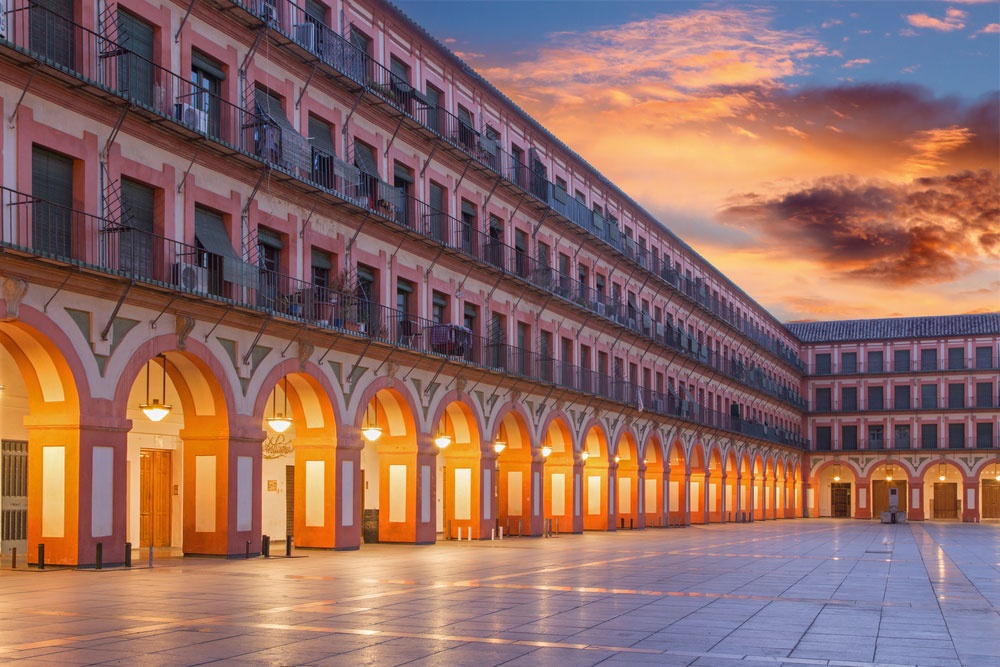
x: 805, y: 592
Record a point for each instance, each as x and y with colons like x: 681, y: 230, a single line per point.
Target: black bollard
x: 128, y: 554
x: 265, y: 546
x: 13, y: 558
x: 288, y: 546
x: 41, y: 556
x: 99, y: 560
x: 246, y: 554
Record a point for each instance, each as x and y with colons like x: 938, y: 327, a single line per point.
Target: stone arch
x: 627, y: 479
x: 678, y: 509
x: 653, y: 479
x: 464, y: 471
x: 561, y: 479
x: 714, y: 484
x: 515, y: 466
x: 697, y: 483
x: 598, y: 505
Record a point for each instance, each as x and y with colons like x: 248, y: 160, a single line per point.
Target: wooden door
x: 840, y: 500
x: 945, y: 500
x: 155, y: 478
x: 991, y: 499
x: 880, y: 496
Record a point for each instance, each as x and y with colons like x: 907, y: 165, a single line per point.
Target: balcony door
x: 52, y: 189
x: 52, y: 32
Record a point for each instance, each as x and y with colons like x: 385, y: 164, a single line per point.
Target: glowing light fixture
x: 156, y: 409
x: 941, y: 475
x: 546, y: 451
x: 888, y: 471
x: 617, y: 459
x: 442, y: 439
x: 584, y: 455
x: 836, y: 473
x: 371, y: 430
x: 499, y: 446
x: 280, y: 421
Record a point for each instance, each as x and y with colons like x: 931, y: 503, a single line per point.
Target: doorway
x: 840, y: 500
x: 991, y: 499
x: 14, y: 496
x: 155, y: 477
x: 880, y: 496
x: 945, y: 500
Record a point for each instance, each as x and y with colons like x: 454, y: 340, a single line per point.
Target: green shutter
x: 135, y: 249
x: 52, y: 185
x: 135, y: 66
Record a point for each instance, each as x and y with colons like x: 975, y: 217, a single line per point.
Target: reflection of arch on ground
x: 757, y: 473
x: 780, y: 489
x: 462, y: 508
x: 677, y: 505
x: 67, y: 445
x: 744, y: 488
x: 732, y: 485
x: 514, y: 471
x: 561, y: 476
x: 653, y: 491
x: 627, y: 482
x: 595, y: 479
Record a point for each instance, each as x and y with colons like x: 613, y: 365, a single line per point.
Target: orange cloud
x: 954, y: 20
x: 930, y: 146
x: 857, y: 62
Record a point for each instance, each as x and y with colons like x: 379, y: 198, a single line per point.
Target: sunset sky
x: 835, y: 160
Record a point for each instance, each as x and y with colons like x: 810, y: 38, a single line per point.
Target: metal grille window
x: 135, y: 239
x: 984, y: 435
x: 901, y: 397
x: 984, y: 357
x: 849, y: 437
x: 875, y: 361
x: 956, y: 436
x: 901, y: 437
x: 928, y: 396
x: 956, y: 358
x: 824, y: 439
x: 52, y: 188
x: 876, y: 398
x: 849, y: 398
x: 823, y: 399
x: 901, y: 361
x: 51, y: 32
x: 984, y: 394
x: 928, y: 360
x: 323, y: 152
x: 956, y: 395
x: 928, y: 436
x: 135, y: 67
x: 849, y: 362
x: 823, y: 365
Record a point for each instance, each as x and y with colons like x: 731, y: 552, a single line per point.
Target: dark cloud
x: 929, y: 230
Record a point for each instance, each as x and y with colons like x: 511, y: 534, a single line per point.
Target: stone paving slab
x: 806, y: 592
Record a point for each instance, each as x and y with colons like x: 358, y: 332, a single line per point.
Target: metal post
x: 99, y: 561
x: 41, y: 556
x: 265, y: 546
x: 246, y: 554
x: 151, y: 555
x: 13, y: 558
x: 288, y: 546
x: 128, y: 554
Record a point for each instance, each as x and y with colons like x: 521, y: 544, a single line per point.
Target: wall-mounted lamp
x: 158, y: 408
x: 584, y: 455
x: 546, y: 451
x: 617, y: 459
x: 941, y: 475
x: 888, y: 471
x: 280, y: 421
x: 371, y: 430
x: 499, y: 446
x: 836, y: 473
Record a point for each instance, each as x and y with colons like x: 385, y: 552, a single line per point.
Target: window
x: 823, y: 399
x: 956, y: 358
x: 586, y: 374
x: 401, y: 196
x: 901, y: 361
x: 404, y: 299
x: 275, y: 139
x: 956, y: 436
x: 51, y: 32
x: 439, y: 307
x: 876, y: 398
x: 470, y: 318
x: 136, y: 72
x: 848, y: 437
x: 494, y: 244
x: 435, y: 119
x: 984, y: 435
x: 135, y: 241
x: 956, y: 395
x: 202, y: 109
x: 217, y: 256
x: 523, y: 349
x: 928, y: 436
x: 984, y: 357
x: 52, y: 188
x: 517, y: 165
x: 876, y: 437
x: 928, y: 360
x: 467, y: 135
x: 469, y: 217
x: 320, y: 267
x: 901, y: 397
x: 823, y: 365
x: 366, y: 298
x: 824, y: 438
x: 545, y: 355
x: 849, y: 362
x: 848, y: 398
x: 269, y: 247
x: 364, y: 159
x: 324, y: 153
x: 438, y: 220
x: 875, y: 361
x: 357, y: 61
x: 928, y: 396
x: 984, y: 394
x: 901, y: 437
x: 521, y: 252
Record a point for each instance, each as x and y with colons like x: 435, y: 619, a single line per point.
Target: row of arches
x: 448, y: 458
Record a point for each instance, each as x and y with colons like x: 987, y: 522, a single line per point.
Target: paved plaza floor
x: 803, y: 592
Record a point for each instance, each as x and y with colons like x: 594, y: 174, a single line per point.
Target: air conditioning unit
x: 305, y: 35
x: 268, y: 13
x: 189, y: 277
x: 601, y: 308
x: 194, y: 117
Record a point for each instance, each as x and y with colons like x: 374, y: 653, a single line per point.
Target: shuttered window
x: 135, y: 69
x: 51, y: 33
x: 52, y: 187
x: 135, y: 250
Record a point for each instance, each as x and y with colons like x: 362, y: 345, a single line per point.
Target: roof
x: 895, y: 328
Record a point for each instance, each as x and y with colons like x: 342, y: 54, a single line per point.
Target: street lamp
x: 371, y: 430
x: 280, y: 421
